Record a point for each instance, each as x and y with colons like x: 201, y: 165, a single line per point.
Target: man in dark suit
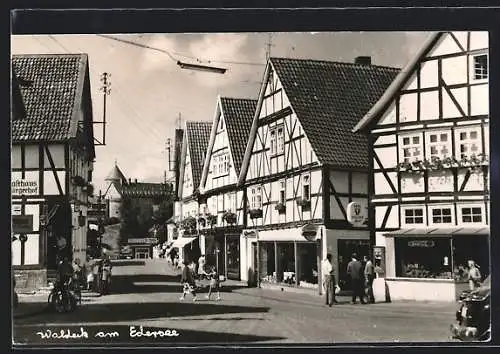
x: 355, y: 271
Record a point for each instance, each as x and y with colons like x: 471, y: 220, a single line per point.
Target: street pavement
x: 147, y: 294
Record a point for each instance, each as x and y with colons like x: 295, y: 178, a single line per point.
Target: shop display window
x: 423, y: 258
x: 267, y: 262
x: 470, y: 247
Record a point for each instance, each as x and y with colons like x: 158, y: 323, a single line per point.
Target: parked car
x: 473, y: 322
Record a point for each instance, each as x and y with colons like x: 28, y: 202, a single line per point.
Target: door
x: 345, y: 250
x: 233, y: 257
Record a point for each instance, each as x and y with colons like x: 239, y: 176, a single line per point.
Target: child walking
x: 214, y: 283
x: 188, y: 281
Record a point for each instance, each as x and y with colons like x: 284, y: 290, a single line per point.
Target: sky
x: 149, y: 91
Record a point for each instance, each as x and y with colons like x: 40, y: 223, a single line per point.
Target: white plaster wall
x: 421, y: 289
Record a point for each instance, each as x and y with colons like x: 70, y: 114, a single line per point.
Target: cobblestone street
x: 148, y: 295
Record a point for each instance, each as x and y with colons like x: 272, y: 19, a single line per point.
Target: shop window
x: 286, y: 263
x: 439, y: 145
x: 468, y: 142
x: 267, y: 262
x: 423, y: 258
x: 307, y: 264
x: 472, y: 214
x: 414, y: 216
x: 411, y: 148
x: 470, y: 247
x: 441, y: 216
x: 480, y: 67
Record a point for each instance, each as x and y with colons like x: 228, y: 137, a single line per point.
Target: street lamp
x: 211, y: 69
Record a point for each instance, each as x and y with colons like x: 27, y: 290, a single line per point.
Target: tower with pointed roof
x: 116, y: 181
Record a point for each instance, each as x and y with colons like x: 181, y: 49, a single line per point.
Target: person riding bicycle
x: 64, y: 272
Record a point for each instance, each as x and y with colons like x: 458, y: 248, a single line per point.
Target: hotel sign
x: 23, y: 186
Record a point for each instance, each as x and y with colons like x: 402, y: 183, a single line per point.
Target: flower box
x: 229, y: 217
x: 78, y: 181
x: 304, y: 203
x: 255, y: 213
x: 189, y: 223
x: 281, y: 208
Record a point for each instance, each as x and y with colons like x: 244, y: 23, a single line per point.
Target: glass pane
x: 419, y: 220
x: 463, y: 136
x: 416, y: 140
x: 409, y: 212
x: 444, y: 137
x: 466, y: 211
x: 436, y: 211
x: 406, y: 141
x: 433, y: 138
x: 406, y: 152
x: 473, y: 135
x: 419, y: 212
x: 446, y: 211
x: 476, y: 218
x: 476, y: 210
x: 434, y: 150
x: 409, y: 220
x: 436, y: 220
x: 447, y: 219
x: 466, y: 218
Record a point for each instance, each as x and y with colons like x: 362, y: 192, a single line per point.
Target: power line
x: 179, y: 54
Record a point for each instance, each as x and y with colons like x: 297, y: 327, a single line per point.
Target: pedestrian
x: 329, y: 280
x: 188, y: 281
x: 355, y: 273
x: 369, y: 277
x: 201, y: 267
x: 474, y: 275
x: 214, y: 284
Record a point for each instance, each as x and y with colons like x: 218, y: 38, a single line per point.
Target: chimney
x: 129, y: 181
x: 135, y: 180
x: 363, y: 60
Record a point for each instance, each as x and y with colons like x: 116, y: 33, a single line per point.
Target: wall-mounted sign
x: 146, y: 240
x: 310, y: 232
x: 24, y: 186
x: 421, y: 243
x: 22, y: 224
x: 16, y: 209
x: 356, y: 214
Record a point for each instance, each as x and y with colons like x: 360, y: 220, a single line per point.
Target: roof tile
x: 198, y: 136
x: 329, y: 99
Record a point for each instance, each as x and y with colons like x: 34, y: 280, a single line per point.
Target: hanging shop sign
x: 22, y: 224
x: 356, y: 214
x: 379, y: 260
x: 24, y: 186
x: 310, y: 232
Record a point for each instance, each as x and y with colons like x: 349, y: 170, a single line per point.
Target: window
x: 255, y: 198
x: 306, y: 187
x: 480, y: 71
x: 414, y: 216
x: 221, y: 165
x: 472, y: 214
x: 281, y: 140
x: 282, y: 195
x: 468, y: 142
x: 441, y: 216
x: 423, y: 257
x: 439, y: 144
x: 273, y: 141
x: 221, y: 124
x: 411, y: 148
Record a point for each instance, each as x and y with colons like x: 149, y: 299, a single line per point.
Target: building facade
x: 429, y: 157
x: 303, y: 168
x: 194, y: 147
x: 222, y: 207
x: 52, y: 163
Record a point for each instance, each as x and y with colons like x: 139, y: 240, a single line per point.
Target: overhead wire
x: 150, y: 131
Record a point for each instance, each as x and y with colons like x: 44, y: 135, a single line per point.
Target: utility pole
x: 269, y: 45
x: 106, y: 90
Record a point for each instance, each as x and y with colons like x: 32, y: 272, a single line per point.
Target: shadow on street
x: 123, y: 312
x: 122, y: 335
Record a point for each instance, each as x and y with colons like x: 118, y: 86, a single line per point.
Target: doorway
x: 345, y: 249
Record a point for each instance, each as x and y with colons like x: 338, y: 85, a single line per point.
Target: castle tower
x: 113, y: 196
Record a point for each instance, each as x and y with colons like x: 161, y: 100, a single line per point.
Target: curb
x: 40, y: 311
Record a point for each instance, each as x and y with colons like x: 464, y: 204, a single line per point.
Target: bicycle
x: 62, y: 298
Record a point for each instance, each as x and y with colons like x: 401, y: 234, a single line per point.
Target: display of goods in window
x: 229, y: 217
x: 211, y: 219
x: 255, y: 213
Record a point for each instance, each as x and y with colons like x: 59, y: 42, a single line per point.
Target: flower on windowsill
x: 229, y: 217
x: 280, y: 207
x: 189, y: 223
x: 255, y: 213
x: 211, y: 219
x: 304, y: 203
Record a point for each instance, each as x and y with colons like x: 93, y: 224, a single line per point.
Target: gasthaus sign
x: 356, y: 214
x: 21, y: 186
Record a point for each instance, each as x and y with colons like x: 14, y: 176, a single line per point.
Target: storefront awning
x: 183, y: 241
x: 285, y: 235
x: 433, y: 231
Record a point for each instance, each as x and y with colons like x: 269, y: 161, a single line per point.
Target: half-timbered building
x: 194, y: 147
x: 222, y: 211
x: 52, y: 160
x: 429, y: 148
x: 303, y: 168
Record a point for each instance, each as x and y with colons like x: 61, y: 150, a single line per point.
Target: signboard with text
x: 146, y: 240
x: 356, y: 214
x: 20, y: 186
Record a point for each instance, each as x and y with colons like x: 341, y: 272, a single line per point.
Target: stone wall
x: 30, y: 279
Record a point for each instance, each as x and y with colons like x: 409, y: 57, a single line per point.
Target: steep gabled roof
x: 329, y: 98
x: 52, y: 90
x: 238, y: 116
x: 398, y: 83
x: 145, y: 190
x: 198, y: 135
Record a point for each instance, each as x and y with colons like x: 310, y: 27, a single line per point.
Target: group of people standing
x: 360, y: 275
x: 191, y: 273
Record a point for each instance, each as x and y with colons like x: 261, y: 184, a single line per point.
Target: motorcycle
x: 473, y: 321
x: 62, y: 298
